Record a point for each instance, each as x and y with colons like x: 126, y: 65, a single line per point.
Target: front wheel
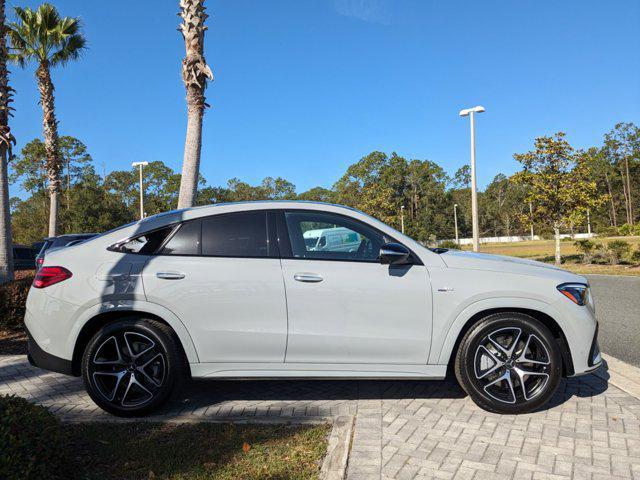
x: 509, y: 363
x: 130, y: 367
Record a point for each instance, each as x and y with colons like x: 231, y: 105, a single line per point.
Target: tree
x: 317, y: 194
x: 49, y: 40
x: 30, y: 168
x: 195, y: 73
x: 620, y: 145
x: 462, y: 177
x: 560, y: 184
x: 6, y: 144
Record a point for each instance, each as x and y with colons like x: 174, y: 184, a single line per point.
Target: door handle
x: 170, y: 275
x: 307, y: 277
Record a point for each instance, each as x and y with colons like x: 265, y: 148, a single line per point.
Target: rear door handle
x: 307, y: 277
x: 170, y: 275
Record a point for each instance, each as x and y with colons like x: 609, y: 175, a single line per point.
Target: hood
x: 505, y: 264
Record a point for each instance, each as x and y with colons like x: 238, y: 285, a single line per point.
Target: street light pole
x: 470, y: 112
x: 588, y: 222
x: 455, y: 221
x: 402, y: 218
x: 141, y: 164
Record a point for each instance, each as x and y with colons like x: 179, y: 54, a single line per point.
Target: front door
x: 343, y: 305
x: 222, y: 278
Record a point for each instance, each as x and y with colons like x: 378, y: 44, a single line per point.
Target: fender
x: 443, y: 355
x: 127, y: 306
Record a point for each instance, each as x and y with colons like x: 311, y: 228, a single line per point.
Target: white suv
x: 236, y: 290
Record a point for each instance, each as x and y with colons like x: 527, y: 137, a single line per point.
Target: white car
x: 234, y: 291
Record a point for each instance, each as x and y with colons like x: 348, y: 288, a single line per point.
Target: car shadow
x: 232, y: 398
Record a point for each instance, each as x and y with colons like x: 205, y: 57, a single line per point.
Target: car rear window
x: 235, y: 235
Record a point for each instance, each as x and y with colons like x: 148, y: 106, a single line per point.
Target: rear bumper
x: 39, y: 358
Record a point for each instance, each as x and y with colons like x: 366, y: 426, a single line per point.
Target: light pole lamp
x: 141, y: 164
x: 470, y: 112
x: 455, y: 222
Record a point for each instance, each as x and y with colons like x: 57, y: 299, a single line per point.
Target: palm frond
x: 44, y: 36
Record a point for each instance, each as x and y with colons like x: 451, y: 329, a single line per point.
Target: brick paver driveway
x: 403, y: 429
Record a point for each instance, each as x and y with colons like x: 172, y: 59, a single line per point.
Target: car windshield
x: 311, y: 241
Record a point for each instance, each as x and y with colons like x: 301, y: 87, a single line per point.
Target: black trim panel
x: 39, y: 358
x: 594, y: 347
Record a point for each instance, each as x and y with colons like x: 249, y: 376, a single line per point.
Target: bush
x: 626, y: 229
x: 608, y: 231
x: 449, y: 244
x: 635, y: 256
x: 32, y: 441
x: 586, y: 247
x: 618, y: 249
x: 13, y: 297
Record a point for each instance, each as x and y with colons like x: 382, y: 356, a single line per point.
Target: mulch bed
x: 13, y: 343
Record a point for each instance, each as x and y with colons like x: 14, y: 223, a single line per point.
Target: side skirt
x: 316, y: 370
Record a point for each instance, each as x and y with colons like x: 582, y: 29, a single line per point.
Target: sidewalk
x: 406, y: 429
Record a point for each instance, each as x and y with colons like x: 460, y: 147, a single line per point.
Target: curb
x: 335, y: 462
x: 621, y: 374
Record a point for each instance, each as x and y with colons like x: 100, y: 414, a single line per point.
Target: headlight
x: 578, y: 293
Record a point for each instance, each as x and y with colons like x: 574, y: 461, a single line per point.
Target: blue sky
x: 304, y: 88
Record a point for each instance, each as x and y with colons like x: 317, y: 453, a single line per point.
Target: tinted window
x: 147, y: 243
x: 326, y: 236
x: 235, y: 235
x: 186, y: 241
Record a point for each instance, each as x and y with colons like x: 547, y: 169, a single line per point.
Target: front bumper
x: 595, y: 359
x: 39, y: 358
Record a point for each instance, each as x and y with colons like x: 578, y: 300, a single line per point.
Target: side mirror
x: 394, y: 254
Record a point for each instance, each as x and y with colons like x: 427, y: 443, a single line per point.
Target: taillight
x: 47, y: 276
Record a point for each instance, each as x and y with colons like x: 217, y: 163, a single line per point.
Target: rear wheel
x: 509, y: 362
x: 130, y: 367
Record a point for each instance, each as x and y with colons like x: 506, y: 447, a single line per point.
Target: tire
x: 504, y: 352
x: 132, y: 366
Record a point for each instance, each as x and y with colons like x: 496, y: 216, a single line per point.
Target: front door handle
x: 170, y: 275
x: 307, y: 277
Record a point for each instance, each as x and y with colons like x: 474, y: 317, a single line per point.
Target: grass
x: 195, y: 451
x: 545, y: 249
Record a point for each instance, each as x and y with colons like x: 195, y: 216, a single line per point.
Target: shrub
x: 635, y: 256
x: 626, y: 229
x: 608, y: 231
x: 586, y: 247
x: 13, y: 297
x: 32, y: 441
x: 618, y: 249
x: 448, y: 244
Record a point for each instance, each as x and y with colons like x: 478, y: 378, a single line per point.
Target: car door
x: 221, y: 276
x: 343, y: 305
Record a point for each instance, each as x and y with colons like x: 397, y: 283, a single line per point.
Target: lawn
x: 195, y: 451
x: 544, y: 249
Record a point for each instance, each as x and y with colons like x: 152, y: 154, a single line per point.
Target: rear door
x: 221, y: 275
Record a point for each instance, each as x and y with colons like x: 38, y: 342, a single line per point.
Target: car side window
x: 144, y: 244
x: 186, y: 241
x: 327, y: 236
x: 242, y: 234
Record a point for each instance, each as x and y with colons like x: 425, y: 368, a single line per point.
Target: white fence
x: 521, y: 238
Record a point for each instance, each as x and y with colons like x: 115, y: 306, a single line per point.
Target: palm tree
x: 195, y: 73
x: 49, y: 40
x: 6, y: 142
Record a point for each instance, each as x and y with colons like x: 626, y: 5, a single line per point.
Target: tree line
x: 556, y: 188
